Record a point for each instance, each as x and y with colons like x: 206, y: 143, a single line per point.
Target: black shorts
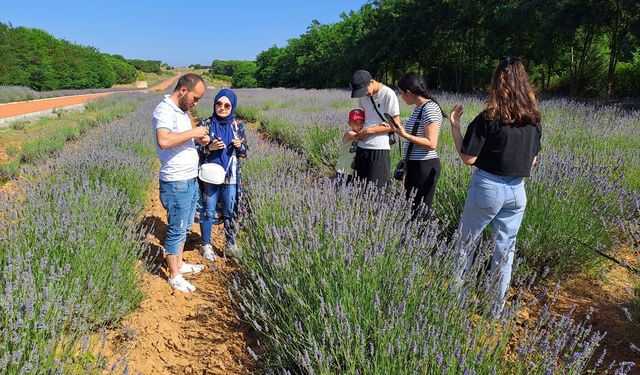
x: 373, y: 165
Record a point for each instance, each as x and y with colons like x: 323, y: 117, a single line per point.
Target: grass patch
x: 32, y: 142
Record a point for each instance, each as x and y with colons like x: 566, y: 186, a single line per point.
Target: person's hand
x: 400, y: 130
x: 364, y: 133
x: 203, y: 141
x: 199, y: 132
x: 455, y: 115
x: 217, y: 144
x: 237, y: 142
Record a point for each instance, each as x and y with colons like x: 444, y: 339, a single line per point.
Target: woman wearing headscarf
x: 502, y: 142
x: 228, y: 145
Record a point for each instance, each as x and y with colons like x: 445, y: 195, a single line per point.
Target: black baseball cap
x: 359, y: 83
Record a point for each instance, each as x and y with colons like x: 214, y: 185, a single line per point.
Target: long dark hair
x: 414, y: 83
x: 511, y: 97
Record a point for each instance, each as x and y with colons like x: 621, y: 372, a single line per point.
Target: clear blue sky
x: 194, y: 33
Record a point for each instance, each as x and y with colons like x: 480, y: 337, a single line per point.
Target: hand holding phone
x: 216, y: 143
x: 394, y: 125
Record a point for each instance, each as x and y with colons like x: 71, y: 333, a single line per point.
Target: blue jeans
x: 179, y: 199
x: 225, y: 194
x: 500, y: 201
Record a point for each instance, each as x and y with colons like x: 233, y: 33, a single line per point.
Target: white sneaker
x: 191, y: 268
x: 180, y: 284
x: 207, y: 252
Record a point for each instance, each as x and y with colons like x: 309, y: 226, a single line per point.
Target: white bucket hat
x: 212, y: 173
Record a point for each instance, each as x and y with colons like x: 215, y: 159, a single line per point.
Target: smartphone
x: 391, y: 121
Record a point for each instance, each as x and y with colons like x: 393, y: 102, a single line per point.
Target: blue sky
x: 194, y: 33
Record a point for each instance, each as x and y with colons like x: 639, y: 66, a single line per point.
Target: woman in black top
x: 502, y: 142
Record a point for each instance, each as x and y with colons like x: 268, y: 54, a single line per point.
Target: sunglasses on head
x: 223, y: 105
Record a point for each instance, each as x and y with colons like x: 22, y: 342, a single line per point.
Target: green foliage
x: 125, y: 72
x: 241, y: 74
x: 244, y: 76
x: 221, y: 77
x: 34, y: 58
x: 456, y: 44
x: 147, y: 66
x: 627, y: 76
x: 19, y: 125
x: 578, y: 193
x: 80, y: 273
x: 198, y: 66
x: 9, y: 169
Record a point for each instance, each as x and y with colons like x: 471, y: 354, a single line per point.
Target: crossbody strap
x: 413, y: 132
x: 373, y: 103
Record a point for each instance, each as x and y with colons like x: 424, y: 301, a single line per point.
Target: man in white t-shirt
x: 178, y: 156
x: 372, y: 160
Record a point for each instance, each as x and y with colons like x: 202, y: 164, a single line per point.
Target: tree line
x: 34, y: 58
x: 574, y: 47
x: 241, y: 74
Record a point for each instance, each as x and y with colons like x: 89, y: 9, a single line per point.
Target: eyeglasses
x: 223, y: 105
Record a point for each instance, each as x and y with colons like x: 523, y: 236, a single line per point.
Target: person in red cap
x: 344, y: 165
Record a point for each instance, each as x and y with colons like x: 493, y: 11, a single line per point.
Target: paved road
x: 18, y: 109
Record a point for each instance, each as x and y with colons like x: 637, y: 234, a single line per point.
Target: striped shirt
x: 431, y: 113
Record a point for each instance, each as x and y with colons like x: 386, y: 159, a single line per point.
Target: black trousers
x: 421, y: 177
x: 373, y: 165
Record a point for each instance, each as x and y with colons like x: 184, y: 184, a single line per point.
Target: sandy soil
x: 183, y: 333
x: 609, y: 295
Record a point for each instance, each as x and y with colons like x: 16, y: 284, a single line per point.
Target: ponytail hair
x: 511, y: 97
x: 414, y: 83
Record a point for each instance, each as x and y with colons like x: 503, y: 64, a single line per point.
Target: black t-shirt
x: 505, y: 150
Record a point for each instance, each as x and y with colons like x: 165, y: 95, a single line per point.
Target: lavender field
x: 336, y: 290
x: 341, y: 281
x: 334, y: 280
x: 583, y: 195
x: 70, y: 244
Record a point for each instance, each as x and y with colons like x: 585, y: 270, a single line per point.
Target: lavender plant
x: 57, y: 132
x: 578, y: 194
x: 70, y: 247
x: 340, y: 280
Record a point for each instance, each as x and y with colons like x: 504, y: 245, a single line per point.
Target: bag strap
x: 373, y: 103
x: 413, y: 132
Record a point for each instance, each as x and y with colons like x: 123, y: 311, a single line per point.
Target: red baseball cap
x: 356, y: 114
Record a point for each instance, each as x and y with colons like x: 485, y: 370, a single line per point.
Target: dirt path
x: 609, y: 295
x: 178, y: 333
x: 22, y: 108
x: 165, y: 84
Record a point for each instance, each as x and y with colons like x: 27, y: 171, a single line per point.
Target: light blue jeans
x: 225, y: 194
x: 179, y: 199
x: 499, y: 201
